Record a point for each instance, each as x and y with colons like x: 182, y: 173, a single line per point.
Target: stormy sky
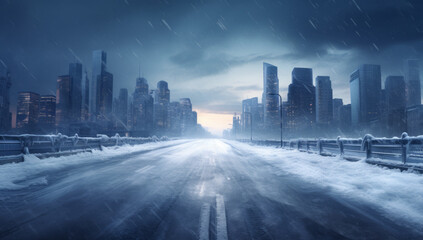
x: 210, y: 51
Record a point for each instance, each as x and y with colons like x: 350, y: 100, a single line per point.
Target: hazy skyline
x: 210, y: 51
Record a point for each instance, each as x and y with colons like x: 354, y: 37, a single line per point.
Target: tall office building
x: 337, y: 103
x: 105, y: 103
x: 324, y: 101
x: 250, y: 114
x: 98, y: 68
x: 412, y: 80
x: 345, y: 118
x: 161, y: 106
x: 396, y: 102
x: 187, y: 121
x: 270, y: 98
x: 175, y: 118
x: 27, y: 111
x: 63, y: 100
x: 5, y: 115
x: 85, y: 98
x: 302, y: 103
x: 365, y: 88
x: 75, y: 74
x: 142, y: 115
x: 47, y: 115
x: 122, y: 107
x: 415, y: 120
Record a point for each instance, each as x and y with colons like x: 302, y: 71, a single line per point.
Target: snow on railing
x: 33, y: 143
x: 405, y: 149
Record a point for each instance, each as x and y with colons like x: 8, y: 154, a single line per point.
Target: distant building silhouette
x: 47, y: 115
x: 27, y: 111
x: 324, y: 104
x: 63, y: 100
x: 345, y: 119
x: 122, y: 109
x: 99, y: 68
x: 187, y: 117
x: 5, y: 115
x: 175, y: 115
x: 413, y: 84
x: 161, y: 106
x: 396, y: 102
x: 365, y: 88
x: 270, y: 99
x: 250, y: 114
x: 415, y: 120
x: 85, y: 97
x: 142, y: 107
x: 75, y: 74
x: 302, y: 102
x: 105, y: 104
x: 337, y: 104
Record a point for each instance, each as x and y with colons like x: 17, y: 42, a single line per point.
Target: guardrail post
x: 320, y: 146
x: 25, y: 143
x: 341, y: 146
x: 75, y: 141
x: 368, y: 148
x: 404, y: 147
x: 117, y: 136
x: 307, y: 145
x: 298, y: 145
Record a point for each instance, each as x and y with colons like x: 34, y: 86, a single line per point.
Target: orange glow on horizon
x: 215, y: 123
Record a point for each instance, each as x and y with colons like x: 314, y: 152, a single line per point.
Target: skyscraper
x: 105, y: 104
x: 75, y: 74
x: 412, y: 80
x: 324, y: 104
x: 161, y: 105
x: 85, y: 98
x: 270, y: 97
x: 365, y: 87
x: 5, y: 115
x: 337, y: 104
x: 302, y: 103
x: 122, y: 107
x: 175, y: 118
x: 142, y: 107
x: 345, y: 118
x: 415, y: 120
x: 47, y: 115
x: 98, y: 68
x: 63, y: 100
x: 27, y: 111
x: 186, y: 114
x: 250, y: 115
x: 396, y: 102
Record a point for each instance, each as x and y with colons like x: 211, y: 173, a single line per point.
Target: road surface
x: 196, y: 189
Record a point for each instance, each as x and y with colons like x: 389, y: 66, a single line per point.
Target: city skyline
x: 176, y: 42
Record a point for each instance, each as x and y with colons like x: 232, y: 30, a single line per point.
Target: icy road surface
x: 207, y: 189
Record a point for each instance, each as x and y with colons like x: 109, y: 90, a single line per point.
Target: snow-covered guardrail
x: 35, y: 144
x: 401, y: 151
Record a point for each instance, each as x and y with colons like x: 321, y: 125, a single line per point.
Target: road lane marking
x: 204, y: 222
x: 144, y: 169
x: 221, y: 227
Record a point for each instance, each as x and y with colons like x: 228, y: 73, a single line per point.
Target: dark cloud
x: 190, y: 39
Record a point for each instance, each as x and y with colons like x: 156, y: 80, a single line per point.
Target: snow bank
x: 398, y: 194
x: 33, y: 171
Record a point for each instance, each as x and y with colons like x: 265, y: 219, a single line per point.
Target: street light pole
x: 280, y: 110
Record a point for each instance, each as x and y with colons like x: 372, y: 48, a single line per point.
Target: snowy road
x: 207, y: 189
